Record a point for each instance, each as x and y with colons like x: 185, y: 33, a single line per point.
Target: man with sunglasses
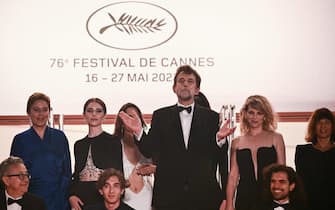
x: 14, y: 193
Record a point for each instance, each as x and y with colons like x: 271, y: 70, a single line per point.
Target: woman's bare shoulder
x: 277, y: 138
x: 277, y: 135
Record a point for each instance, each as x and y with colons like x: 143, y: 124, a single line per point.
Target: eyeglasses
x: 90, y: 110
x: 21, y: 176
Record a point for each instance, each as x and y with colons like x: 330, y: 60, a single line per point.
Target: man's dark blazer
x: 30, y: 202
x: 268, y: 206
x: 186, y: 176
x: 101, y: 206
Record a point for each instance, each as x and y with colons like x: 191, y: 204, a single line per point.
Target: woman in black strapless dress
x: 257, y: 147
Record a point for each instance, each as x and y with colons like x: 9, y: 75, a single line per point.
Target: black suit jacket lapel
x: 26, y: 204
x: 3, y: 202
x: 195, y: 126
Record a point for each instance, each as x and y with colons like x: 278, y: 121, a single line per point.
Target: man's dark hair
x: 109, y: 173
x: 186, y: 69
x: 297, y: 196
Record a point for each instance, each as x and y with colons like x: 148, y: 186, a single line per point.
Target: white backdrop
x: 283, y: 49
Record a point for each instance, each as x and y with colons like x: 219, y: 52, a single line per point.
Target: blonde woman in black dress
x: 257, y: 147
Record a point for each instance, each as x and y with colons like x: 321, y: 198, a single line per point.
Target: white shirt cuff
x: 221, y: 142
x: 139, y: 136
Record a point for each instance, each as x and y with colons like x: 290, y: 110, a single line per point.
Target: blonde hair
x: 261, y: 104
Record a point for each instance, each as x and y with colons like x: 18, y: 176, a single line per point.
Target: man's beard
x: 185, y: 95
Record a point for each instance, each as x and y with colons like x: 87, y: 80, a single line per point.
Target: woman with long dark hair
x: 137, y: 169
x: 315, y: 161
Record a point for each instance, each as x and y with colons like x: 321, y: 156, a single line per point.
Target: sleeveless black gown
x: 249, y: 188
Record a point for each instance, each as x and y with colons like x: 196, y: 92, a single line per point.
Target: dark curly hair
x: 297, y: 196
x: 317, y: 115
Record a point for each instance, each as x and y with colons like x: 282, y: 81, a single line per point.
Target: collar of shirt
x: 186, y: 120
x: 13, y: 206
x: 285, y: 202
x: 191, y: 105
x: 279, y: 207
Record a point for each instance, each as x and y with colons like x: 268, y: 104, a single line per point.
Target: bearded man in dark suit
x: 282, y: 190
x: 14, y: 187
x: 188, y: 145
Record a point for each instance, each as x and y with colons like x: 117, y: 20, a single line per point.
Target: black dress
x: 249, y: 188
x: 317, y: 171
x: 106, y: 151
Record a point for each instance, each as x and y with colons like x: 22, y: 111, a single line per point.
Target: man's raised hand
x: 132, y: 123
